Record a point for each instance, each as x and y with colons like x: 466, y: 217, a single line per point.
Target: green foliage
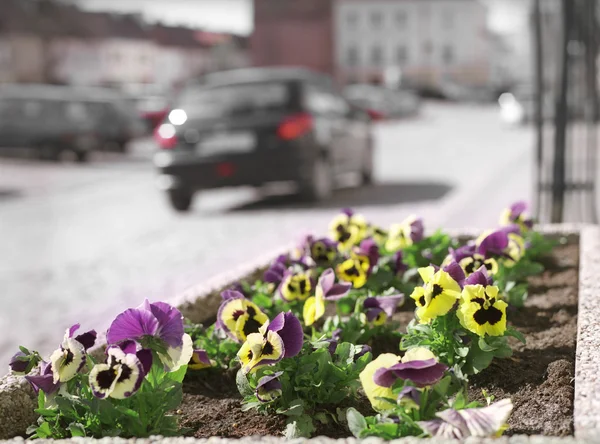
x: 538, y: 245
x: 431, y: 250
x: 313, y: 383
x: 218, y: 346
x: 79, y: 413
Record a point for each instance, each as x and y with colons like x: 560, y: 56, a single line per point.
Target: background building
x: 431, y: 43
x: 293, y: 33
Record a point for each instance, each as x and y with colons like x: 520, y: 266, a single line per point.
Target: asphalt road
x: 80, y: 243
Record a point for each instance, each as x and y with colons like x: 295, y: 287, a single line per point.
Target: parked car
x: 55, y: 119
x: 383, y: 103
x: 258, y: 125
x: 47, y: 118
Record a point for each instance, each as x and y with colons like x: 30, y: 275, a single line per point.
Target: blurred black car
x: 47, y: 119
x: 55, y: 119
x: 259, y: 125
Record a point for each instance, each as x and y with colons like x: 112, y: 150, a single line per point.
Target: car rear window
x: 235, y: 99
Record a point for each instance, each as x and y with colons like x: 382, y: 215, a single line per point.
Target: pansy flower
x: 323, y: 250
x: 409, y: 397
x: 295, y: 286
x: 439, y: 294
x: 70, y: 357
x: 378, y: 234
x: 354, y: 270
x: 239, y: 317
x: 20, y: 363
x: 327, y: 290
x: 123, y: 372
x: 517, y: 214
x: 281, y: 338
x: 418, y: 365
x: 369, y: 248
x: 348, y: 229
x: 373, y: 390
x: 275, y: 272
x: 269, y: 387
x: 505, y: 243
x: 44, y: 381
x: 200, y: 360
x: 405, y: 234
x: 378, y: 309
x: 477, y: 422
x: 398, y: 265
x: 481, y: 311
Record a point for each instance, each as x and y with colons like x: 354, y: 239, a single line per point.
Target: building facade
x: 428, y: 44
x: 293, y: 33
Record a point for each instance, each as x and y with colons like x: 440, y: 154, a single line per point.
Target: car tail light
x: 166, y: 136
x: 295, y: 126
x: 375, y: 115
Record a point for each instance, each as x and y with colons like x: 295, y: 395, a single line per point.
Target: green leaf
x: 344, y: 352
x: 262, y: 300
x: 178, y: 374
x: 76, y: 429
x: 442, y: 386
x: 484, y: 346
x: 510, y: 331
x: 300, y: 427
x: 44, y: 431
x: 24, y: 350
x: 295, y: 408
x: 243, y: 384
x: 356, y: 422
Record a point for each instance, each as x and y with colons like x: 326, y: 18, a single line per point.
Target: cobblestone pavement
x: 79, y: 243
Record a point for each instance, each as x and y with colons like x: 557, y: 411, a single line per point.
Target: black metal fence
x: 565, y: 43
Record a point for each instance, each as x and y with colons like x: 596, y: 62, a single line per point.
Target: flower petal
x: 291, y: 334
x: 87, y: 339
x: 456, y: 272
x: 133, y: 323
x: 45, y: 380
x: 170, y: 323
x: 200, y: 360
x: 269, y: 387
x: 103, y: 379
x: 67, y: 360
x: 371, y: 388
x: 422, y: 373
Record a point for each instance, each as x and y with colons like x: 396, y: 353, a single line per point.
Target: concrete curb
x: 200, y: 303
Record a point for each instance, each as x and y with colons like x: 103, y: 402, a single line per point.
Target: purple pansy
x: 463, y: 252
x: 477, y: 422
x: 289, y: 329
x: 158, y: 319
x: 45, y: 380
x: 274, y: 274
x: 398, y: 265
x: 421, y: 372
x: 517, y: 214
x: 330, y: 290
x: 455, y: 271
x: 370, y: 249
x: 479, y: 277
x: 378, y: 309
x: 269, y: 387
x: 18, y: 363
x: 200, y: 360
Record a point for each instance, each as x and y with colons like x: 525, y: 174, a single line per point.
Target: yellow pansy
x: 374, y: 391
x: 481, y: 311
x: 437, y: 296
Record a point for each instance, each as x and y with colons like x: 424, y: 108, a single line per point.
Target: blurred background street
x: 146, y: 145
x: 87, y: 242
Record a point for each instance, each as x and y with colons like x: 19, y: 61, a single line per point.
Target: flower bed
x: 333, y: 336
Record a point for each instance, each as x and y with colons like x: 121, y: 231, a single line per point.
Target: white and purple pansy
x: 281, y: 338
x: 418, y: 365
x: 123, y: 372
x: 239, y: 317
x: 477, y: 422
x: 45, y: 380
x: 269, y: 387
x: 70, y: 357
x: 380, y: 308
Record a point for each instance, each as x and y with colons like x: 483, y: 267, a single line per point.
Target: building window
x: 352, y: 56
x: 376, y: 55
x: 401, y: 19
x: 352, y: 19
x: 401, y: 55
x: 376, y: 19
x: 448, y: 55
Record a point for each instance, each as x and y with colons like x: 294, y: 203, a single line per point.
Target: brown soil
x: 539, y: 378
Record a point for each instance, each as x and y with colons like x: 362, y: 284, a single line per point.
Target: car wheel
x: 81, y: 156
x: 366, y: 173
x: 181, y: 200
x: 319, y: 186
x: 48, y: 152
